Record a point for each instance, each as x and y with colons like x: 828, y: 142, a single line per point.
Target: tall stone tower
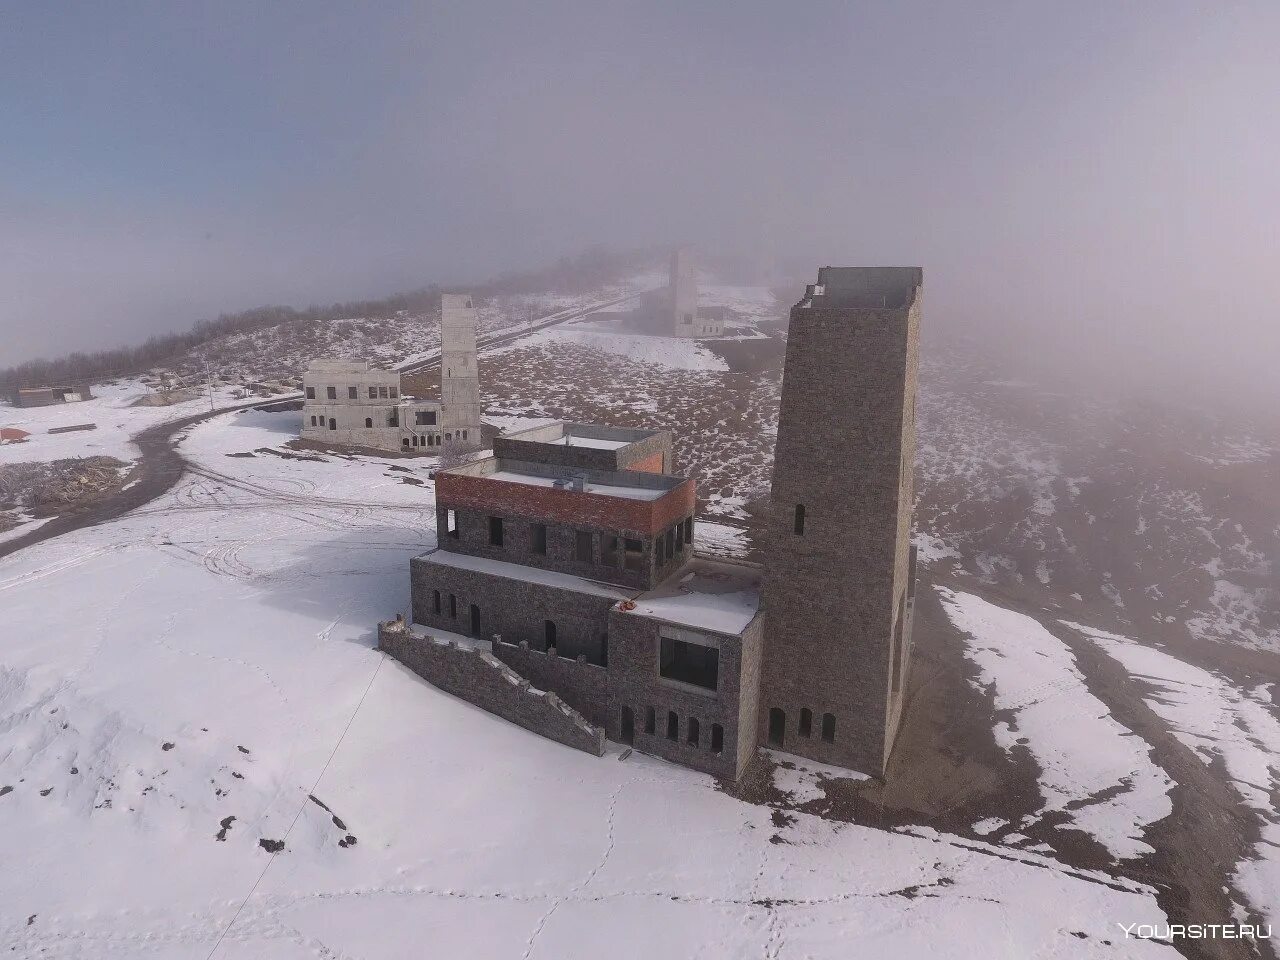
x: 840, y: 570
x: 683, y: 294
x: 459, y: 371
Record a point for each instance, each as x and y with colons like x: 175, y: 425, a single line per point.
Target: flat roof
x: 596, y: 443
x: 581, y: 435
x: 621, y: 484
x: 864, y: 287
x: 706, y: 595
x: 516, y: 571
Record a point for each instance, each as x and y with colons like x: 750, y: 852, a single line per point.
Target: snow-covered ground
x: 1091, y: 766
x: 1221, y: 723
x: 184, y: 688
x: 110, y: 409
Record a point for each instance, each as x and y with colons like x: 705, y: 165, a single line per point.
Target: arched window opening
x: 805, y: 727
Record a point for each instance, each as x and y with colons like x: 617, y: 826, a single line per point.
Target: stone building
x: 348, y: 403
x: 568, y: 558
x: 839, y: 565
x: 686, y: 319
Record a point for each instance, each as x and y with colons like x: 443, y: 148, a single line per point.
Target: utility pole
x: 209, y: 380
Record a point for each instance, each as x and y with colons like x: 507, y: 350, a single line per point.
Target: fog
x: 1093, y: 186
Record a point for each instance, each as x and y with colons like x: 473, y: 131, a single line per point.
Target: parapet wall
x: 478, y: 677
x: 583, y: 685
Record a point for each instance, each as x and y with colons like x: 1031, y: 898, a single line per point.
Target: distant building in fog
x: 683, y: 299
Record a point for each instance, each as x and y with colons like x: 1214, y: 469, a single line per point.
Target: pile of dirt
x: 47, y: 488
x: 166, y: 398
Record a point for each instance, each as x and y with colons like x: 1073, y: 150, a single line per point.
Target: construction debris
x: 46, y: 488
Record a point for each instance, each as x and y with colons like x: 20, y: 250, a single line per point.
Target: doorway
x: 777, y: 726
x: 628, y: 725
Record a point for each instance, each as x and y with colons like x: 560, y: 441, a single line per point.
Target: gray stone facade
x: 605, y: 659
x: 475, y: 675
x: 681, y: 656
x: 581, y: 684
x: 838, y: 555
x: 635, y: 684
x: 514, y: 607
x: 641, y: 570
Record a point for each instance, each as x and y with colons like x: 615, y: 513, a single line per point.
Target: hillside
x: 1091, y: 737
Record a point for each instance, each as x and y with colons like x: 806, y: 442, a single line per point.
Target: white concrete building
x: 683, y: 299
x: 350, y: 404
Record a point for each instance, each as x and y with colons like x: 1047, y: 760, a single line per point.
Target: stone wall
x: 478, y: 677
x: 646, y: 453
x: 845, y: 449
x: 561, y: 555
x: 634, y: 683
x: 582, y: 685
x: 511, y: 608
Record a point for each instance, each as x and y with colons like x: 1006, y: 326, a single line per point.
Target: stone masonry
x: 664, y: 712
x: 838, y: 565
x: 477, y: 676
x: 570, y: 444
x: 516, y: 609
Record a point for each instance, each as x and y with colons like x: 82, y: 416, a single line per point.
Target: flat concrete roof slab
x: 706, y: 595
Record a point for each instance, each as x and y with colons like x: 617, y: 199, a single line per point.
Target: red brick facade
x: 650, y: 464
x: 507, y: 498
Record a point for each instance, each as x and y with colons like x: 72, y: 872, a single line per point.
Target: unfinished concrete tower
x: 684, y: 294
x: 840, y: 572
x: 459, y: 371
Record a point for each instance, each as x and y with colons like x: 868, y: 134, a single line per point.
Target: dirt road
x: 158, y: 468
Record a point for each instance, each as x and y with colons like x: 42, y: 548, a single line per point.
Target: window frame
x: 672, y: 642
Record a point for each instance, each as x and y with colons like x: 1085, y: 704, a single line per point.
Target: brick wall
x: 652, y: 463
x: 642, y: 517
x: 480, y: 678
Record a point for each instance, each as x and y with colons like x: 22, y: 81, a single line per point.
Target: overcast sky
x: 1092, y: 178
